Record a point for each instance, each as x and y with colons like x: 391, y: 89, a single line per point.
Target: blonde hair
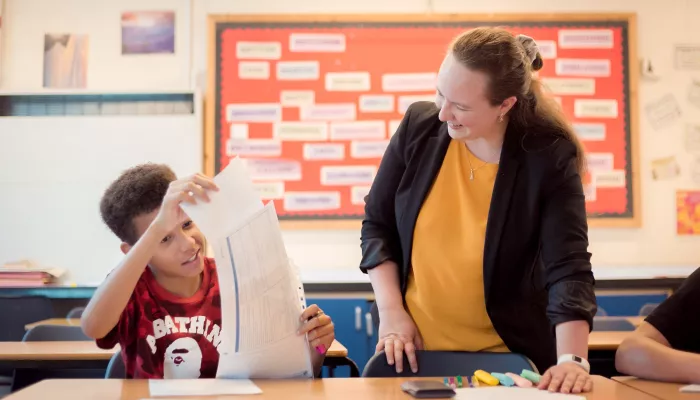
x: 509, y: 63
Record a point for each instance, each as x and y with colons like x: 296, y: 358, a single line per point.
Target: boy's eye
x: 165, y: 239
x: 187, y: 224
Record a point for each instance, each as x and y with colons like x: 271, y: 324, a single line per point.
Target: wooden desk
x: 601, y: 340
x: 661, y: 390
x: 634, y: 320
x: 85, y: 350
x: 54, y: 321
x: 345, y: 388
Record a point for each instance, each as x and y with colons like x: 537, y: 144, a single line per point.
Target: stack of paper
x: 261, y: 296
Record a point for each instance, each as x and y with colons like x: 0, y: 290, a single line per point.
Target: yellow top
x: 445, y: 294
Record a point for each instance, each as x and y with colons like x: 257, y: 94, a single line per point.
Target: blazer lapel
x: 500, y: 203
x: 428, y: 168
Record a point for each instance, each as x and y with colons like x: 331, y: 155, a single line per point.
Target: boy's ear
x: 125, y: 247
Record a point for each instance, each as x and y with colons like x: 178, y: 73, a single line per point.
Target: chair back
x: 16, y: 312
x: 612, y: 324
x: 449, y: 363
x: 76, y: 312
x: 116, y: 368
x: 647, y: 309
x: 55, y: 333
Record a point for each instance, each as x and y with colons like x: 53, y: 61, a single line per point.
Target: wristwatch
x: 572, y: 358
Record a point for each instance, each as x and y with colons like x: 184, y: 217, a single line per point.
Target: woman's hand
x: 566, y: 378
x: 398, y: 333
x: 319, y: 329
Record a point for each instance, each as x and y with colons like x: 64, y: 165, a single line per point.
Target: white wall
x: 654, y: 244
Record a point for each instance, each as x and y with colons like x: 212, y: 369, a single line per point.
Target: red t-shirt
x: 166, y: 336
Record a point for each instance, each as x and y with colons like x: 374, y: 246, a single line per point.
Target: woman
x: 475, y: 236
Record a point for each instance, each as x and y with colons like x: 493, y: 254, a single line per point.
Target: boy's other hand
x: 318, y: 327
x: 190, y: 190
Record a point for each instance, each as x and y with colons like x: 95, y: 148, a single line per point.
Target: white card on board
x: 328, y: 112
x: 311, y: 201
x: 585, y: 67
x: 273, y: 169
x: 368, y: 149
x: 609, y: 179
x: 324, y: 151
x: 367, y: 129
x: 347, y: 175
x: 589, y: 131
x: 347, y: 81
x: 570, y: 86
x: 300, y: 130
x: 254, y: 112
x: 254, y: 70
x: 254, y: 147
x: 413, y: 82
x: 298, y: 70
x: 595, y: 108
x: 258, y: 50
x: 376, y: 103
x: 317, y: 42
x: 586, y: 39
x: 296, y: 98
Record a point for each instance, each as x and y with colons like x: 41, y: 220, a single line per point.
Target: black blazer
x: 537, y: 270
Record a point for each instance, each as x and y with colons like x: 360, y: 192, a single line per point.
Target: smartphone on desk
x: 428, y: 389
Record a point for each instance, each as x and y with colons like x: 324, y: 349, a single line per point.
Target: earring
x: 500, y: 118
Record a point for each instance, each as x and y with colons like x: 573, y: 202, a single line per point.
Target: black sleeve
x: 569, y: 279
x: 379, y: 235
x: 678, y: 318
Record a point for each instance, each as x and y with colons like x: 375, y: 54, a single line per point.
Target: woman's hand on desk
x: 566, y: 378
x: 398, y: 334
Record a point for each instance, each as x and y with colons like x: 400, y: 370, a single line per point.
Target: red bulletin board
x: 311, y: 102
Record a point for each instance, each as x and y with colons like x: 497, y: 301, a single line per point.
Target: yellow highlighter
x: 485, y: 377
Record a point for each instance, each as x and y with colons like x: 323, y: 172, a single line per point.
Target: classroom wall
x: 656, y: 243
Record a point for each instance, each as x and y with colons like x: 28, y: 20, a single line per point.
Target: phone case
x: 428, y: 389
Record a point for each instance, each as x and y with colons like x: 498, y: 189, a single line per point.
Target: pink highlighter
x: 519, y: 380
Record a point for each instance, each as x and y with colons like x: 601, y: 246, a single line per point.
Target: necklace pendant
x: 471, y: 174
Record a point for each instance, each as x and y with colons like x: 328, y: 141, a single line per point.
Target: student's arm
x: 109, y: 301
x: 107, y: 304
x: 647, y: 354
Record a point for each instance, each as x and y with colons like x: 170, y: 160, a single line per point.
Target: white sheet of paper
x: 690, y: 389
x: 507, y: 393
x: 262, y: 296
x: 230, y: 206
x: 201, y: 387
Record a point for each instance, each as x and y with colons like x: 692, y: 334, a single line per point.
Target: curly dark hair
x: 137, y: 191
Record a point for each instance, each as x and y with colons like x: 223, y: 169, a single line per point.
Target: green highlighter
x: 531, y: 376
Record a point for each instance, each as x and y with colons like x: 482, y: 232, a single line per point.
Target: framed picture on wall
x: 148, y: 32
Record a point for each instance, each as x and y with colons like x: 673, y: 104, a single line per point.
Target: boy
x: 161, y: 303
x: 666, y: 346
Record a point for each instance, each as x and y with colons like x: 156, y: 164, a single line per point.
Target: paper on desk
x: 261, y: 295
x: 690, y: 389
x: 201, y: 387
x: 507, y: 393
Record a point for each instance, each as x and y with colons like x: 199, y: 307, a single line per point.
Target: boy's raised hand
x: 189, y: 189
x: 318, y: 327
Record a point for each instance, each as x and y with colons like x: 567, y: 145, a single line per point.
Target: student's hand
x: 566, y: 378
x: 398, y: 334
x: 318, y: 327
x: 187, y: 190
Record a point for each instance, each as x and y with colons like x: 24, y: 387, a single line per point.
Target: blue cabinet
x: 624, y: 304
x: 351, y: 319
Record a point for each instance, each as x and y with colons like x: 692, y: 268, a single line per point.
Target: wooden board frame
x: 635, y: 221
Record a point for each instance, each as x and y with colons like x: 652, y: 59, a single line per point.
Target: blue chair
x: 55, y: 333
x: 449, y: 363
x: 76, y: 312
x: 116, y: 368
x: 647, y: 309
x: 612, y: 324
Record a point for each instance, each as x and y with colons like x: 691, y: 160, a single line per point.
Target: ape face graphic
x: 183, y: 359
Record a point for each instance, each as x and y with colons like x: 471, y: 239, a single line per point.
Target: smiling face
x: 180, y: 252
x: 464, y: 104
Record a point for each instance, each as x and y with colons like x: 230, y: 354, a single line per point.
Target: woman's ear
x: 508, y: 104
